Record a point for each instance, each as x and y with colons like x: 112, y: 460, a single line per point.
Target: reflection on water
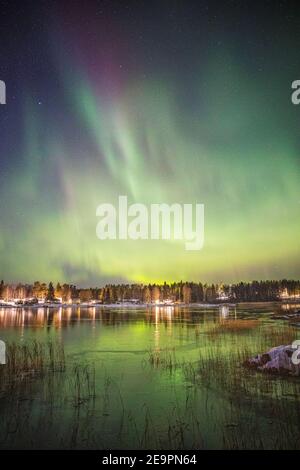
x: 118, y: 342
x: 64, y: 316
x: 58, y: 317
x: 34, y: 322
x: 224, y: 311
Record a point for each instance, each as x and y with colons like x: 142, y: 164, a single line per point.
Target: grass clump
x: 30, y: 359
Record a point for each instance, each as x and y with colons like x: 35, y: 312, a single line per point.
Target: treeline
x: 187, y: 292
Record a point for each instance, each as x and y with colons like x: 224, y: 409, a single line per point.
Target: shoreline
x: 149, y: 305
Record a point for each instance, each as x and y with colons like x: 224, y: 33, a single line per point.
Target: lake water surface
x: 158, y: 377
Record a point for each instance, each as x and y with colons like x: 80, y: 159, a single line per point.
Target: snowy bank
x: 279, y: 360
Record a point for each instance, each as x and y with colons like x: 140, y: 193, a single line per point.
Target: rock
x: 276, y: 360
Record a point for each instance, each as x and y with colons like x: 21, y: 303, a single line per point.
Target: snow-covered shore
x: 279, y: 360
x: 114, y: 305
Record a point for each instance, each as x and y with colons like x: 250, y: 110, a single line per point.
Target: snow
x: 277, y: 360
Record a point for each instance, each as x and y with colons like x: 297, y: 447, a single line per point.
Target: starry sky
x: 170, y: 101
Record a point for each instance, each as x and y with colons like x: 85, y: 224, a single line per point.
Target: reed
x: 30, y: 359
x: 82, y: 382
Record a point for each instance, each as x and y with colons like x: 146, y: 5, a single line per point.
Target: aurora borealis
x: 163, y: 102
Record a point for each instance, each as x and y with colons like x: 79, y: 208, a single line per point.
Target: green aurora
x: 221, y: 133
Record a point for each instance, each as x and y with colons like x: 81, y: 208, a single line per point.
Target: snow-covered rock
x: 281, y: 359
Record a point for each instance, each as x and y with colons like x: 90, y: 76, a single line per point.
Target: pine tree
x: 50, y: 293
x: 1, y: 289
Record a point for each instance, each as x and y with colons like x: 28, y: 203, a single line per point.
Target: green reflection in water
x: 162, y: 378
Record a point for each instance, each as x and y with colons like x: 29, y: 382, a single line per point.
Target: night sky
x: 160, y: 101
